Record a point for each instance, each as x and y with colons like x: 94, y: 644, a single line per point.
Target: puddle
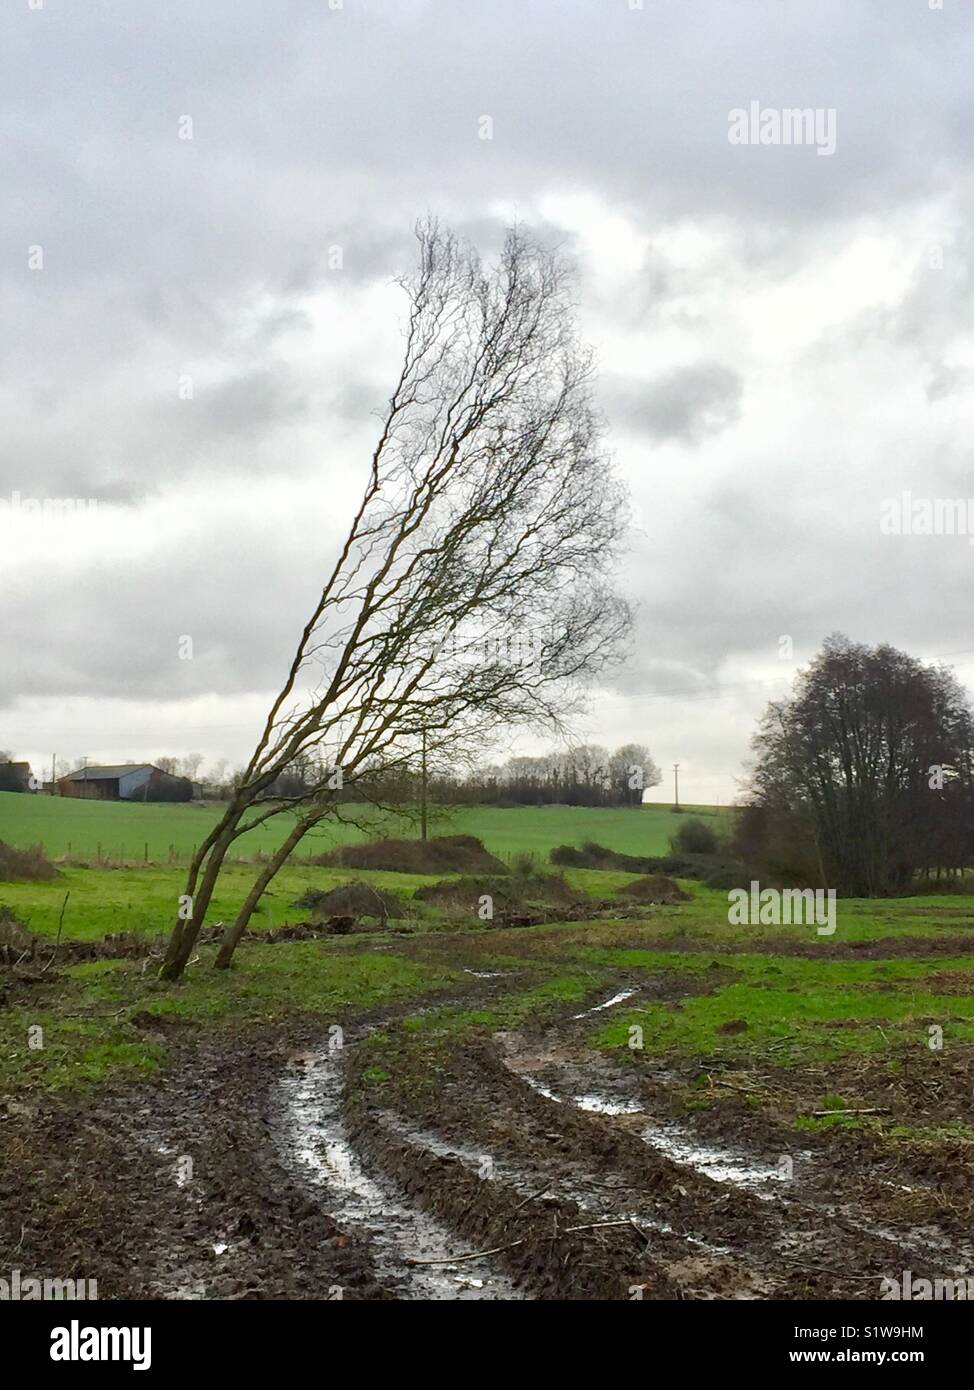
x: 723, y: 1165
x: 601, y: 1203
x: 602, y: 1105
x: 540, y: 1087
x: 619, y: 998
x: 592, y: 1102
x: 314, y: 1140
x: 486, y: 974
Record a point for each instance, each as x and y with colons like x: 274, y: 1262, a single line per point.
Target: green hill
x: 129, y: 830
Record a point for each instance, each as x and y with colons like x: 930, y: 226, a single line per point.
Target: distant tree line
x: 587, y: 775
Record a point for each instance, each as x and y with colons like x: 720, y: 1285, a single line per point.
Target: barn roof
x: 106, y: 774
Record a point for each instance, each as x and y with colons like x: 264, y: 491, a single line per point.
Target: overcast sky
x: 203, y: 207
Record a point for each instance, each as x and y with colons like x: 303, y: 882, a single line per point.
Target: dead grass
x: 25, y: 865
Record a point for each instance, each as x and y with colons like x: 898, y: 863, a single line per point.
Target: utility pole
x: 676, y: 786
x: 54, y: 774
x: 422, y: 792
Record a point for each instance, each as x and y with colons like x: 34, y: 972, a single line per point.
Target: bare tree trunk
x: 185, y: 932
x: 233, y: 933
x: 488, y: 493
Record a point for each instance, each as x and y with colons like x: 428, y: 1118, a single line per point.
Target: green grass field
x: 128, y: 831
x: 144, y: 900
x: 843, y: 1054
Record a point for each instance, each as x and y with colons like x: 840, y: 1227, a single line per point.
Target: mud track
x: 477, y: 1165
x: 527, y: 1137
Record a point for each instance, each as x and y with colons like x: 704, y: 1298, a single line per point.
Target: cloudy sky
x: 203, y: 209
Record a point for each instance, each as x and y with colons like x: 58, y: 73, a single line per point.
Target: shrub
x: 29, y: 864
x: 694, y: 837
x: 523, y: 865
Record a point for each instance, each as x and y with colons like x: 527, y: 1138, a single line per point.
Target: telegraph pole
x: 676, y: 786
x: 422, y: 792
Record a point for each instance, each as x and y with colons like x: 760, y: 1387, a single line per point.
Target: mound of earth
x: 15, y: 940
x: 353, y: 899
x: 30, y: 865
x: 444, y: 854
x: 656, y: 888
x: 514, y: 894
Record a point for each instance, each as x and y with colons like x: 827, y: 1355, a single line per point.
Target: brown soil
x: 656, y: 888
x: 680, y: 1233
x: 444, y: 854
x: 89, y: 1187
x: 512, y: 1141
x: 355, y: 899
x: 814, y: 947
x: 515, y: 894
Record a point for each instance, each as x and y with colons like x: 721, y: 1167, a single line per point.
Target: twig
x: 533, y: 1198
x: 114, y: 1015
x: 873, y: 1110
x: 598, y: 1225
x: 455, y: 1259
x: 742, y: 1090
x: 60, y: 924
x: 833, y: 1274
x: 639, y: 1230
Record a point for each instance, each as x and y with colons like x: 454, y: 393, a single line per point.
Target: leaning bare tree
x: 473, y: 590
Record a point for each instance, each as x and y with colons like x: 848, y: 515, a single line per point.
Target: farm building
x: 16, y: 777
x: 127, y: 782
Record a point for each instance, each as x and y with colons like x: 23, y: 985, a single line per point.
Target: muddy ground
x: 399, y: 1160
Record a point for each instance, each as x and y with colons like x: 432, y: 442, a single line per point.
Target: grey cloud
x: 315, y: 128
x: 687, y: 404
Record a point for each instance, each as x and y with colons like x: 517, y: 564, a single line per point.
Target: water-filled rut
x: 314, y: 1142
